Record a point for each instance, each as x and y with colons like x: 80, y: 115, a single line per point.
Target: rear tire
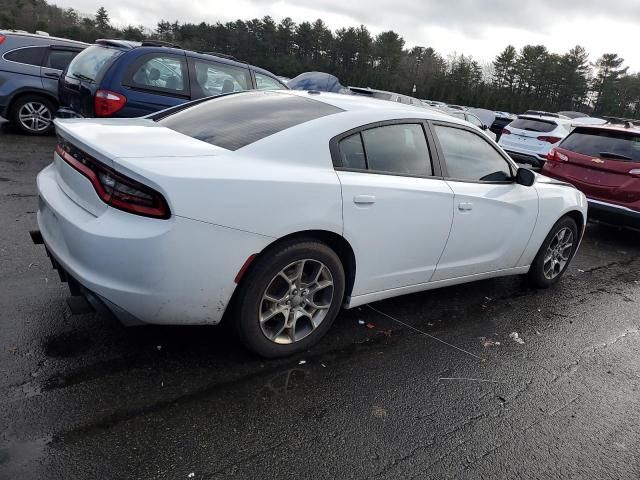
x: 555, y: 254
x: 289, y: 298
x: 32, y: 114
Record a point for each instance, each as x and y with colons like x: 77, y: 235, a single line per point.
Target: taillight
x: 2, y: 37
x: 506, y: 131
x: 557, y: 156
x: 113, y: 188
x: 549, y: 139
x: 107, y: 103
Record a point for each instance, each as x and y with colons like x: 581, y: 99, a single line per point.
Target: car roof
x: 530, y: 116
x: 352, y: 103
x: 9, y: 33
x: 154, y: 46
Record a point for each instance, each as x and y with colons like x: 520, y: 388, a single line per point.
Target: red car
x: 604, y: 163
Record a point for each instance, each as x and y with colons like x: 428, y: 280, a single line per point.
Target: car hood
x: 544, y: 179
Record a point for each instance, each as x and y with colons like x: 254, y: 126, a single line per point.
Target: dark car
x: 30, y: 66
x: 117, y: 78
x: 604, y: 163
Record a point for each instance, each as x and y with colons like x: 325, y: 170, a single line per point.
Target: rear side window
x: 59, y: 59
x: 352, y: 152
x: 615, y: 145
x: 533, y: 125
x: 234, y: 121
x: 264, y: 82
x: 92, y: 63
x: 157, y: 71
x: 470, y: 157
x: 214, y: 78
x: 28, y: 55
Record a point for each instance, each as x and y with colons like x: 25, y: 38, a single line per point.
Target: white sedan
x: 277, y: 209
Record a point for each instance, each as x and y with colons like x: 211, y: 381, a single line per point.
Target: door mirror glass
x: 525, y: 177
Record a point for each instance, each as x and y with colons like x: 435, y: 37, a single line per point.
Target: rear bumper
x: 529, y: 159
x: 615, y: 214
x: 176, y: 271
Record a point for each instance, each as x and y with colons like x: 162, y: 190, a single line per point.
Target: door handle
x: 52, y: 75
x: 465, y: 206
x: 364, y: 199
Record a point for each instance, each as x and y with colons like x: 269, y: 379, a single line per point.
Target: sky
x: 481, y: 28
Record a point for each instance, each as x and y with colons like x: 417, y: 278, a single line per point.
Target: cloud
x: 478, y: 27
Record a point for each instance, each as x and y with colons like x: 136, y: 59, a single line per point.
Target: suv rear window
x: 611, y: 144
x: 92, y: 63
x: 236, y: 120
x: 533, y: 125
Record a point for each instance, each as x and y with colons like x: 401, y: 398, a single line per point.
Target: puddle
x: 16, y: 454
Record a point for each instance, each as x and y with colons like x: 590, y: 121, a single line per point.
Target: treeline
x: 516, y: 80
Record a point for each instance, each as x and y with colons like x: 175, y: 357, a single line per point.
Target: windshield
x: 611, y: 144
x: 92, y: 63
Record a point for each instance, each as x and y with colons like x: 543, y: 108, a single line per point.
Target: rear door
x: 493, y: 217
x: 155, y: 81
x: 397, y: 210
x: 603, y: 163
x: 56, y: 60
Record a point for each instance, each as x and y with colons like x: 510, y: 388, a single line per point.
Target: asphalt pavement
x: 493, y: 380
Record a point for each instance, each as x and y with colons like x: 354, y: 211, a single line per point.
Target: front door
x: 493, y: 217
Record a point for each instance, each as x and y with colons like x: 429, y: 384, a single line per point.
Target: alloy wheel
x: 296, y: 301
x: 35, y: 116
x: 558, y: 253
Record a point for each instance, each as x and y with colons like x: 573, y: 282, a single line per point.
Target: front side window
x: 470, y: 157
x: 213, y: 78
x: 264, y: 82
x: 401, y: 149
x: 164, y: 72
x: 29, y: 55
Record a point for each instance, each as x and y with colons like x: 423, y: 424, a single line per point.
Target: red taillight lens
x: 2, y: 37
x: 557, y: 156
x: 506, y: 131
x: 113, y: 188
x: 549, y: 139
x: 107, y: 103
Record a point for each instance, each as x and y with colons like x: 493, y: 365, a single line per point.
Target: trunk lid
x: 595, y: 163
x: 142, y: 142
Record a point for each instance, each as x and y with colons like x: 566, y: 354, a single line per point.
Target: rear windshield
x: 92, y: 63
x: 533, y: 125
x: 234, y: 121
x: 604, y: 144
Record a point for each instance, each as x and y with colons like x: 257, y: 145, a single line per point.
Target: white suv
x: 529, y: 138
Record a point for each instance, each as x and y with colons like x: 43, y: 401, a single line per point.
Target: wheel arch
x: 336, y: 242
x: 577, y: 217
x: 30, y: 91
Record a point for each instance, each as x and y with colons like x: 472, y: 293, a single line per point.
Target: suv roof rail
x: 222, y: 55
x: 627, y: 122
x: 159, y: 43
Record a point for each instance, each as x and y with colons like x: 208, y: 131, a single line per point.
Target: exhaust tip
x: 36, y: 237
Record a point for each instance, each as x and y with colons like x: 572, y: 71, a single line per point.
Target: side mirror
x: 525, y: 177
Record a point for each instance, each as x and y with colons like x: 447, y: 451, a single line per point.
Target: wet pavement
x: 83, y: 397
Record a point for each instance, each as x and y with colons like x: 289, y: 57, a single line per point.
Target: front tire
x: 32, y: 114
x: 289, y: 299
x: 555, y: 254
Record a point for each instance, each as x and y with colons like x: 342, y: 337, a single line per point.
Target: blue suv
x: 117, y: 78
x: 30, y: 65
